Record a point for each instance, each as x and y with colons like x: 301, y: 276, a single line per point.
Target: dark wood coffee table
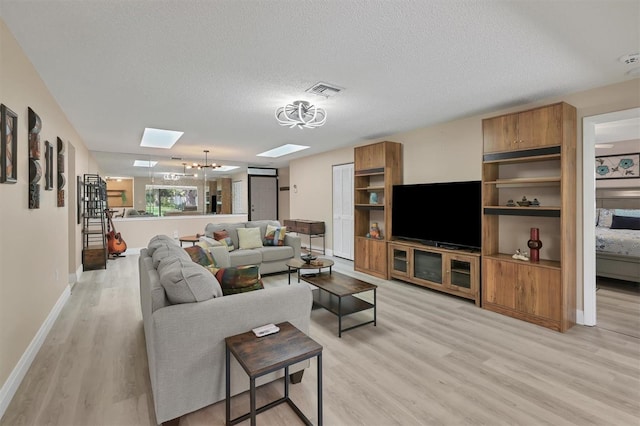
x: 263, y: 355
x: 335, y: 293
x: 299, y: 265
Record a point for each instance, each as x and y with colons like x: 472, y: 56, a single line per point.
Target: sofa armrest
x: 189, y: 346
x: 294, y: 241
x: 210, y: 241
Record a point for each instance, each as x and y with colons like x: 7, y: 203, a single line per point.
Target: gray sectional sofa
x: 185, y: 339
x: 271, y: 259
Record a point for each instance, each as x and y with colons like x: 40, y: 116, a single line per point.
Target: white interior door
x: 343, y: 211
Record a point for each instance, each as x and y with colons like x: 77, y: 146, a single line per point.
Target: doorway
x: 343, y: 211
x: 589, y: 125
x: 263, y: 197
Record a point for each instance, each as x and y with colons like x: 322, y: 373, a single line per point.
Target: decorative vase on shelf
x: 535, y: 245
x: 373, y: 198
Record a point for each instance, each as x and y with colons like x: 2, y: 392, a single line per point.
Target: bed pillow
x: 625, y: 222
x: 249, y: 238
x: 606, y: 216
x: 627, y: 212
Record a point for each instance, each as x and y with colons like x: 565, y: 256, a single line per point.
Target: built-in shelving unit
x: 530, y: 153
x: 377, y: 167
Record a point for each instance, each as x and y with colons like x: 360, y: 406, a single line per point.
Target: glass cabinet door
x: 460, y: 273
x: 400, y: 261
x: 427, y: 266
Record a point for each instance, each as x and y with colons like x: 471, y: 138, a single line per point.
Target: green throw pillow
x: 238, y: 279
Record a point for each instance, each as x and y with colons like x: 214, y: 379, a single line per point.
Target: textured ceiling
x: 217, y: 70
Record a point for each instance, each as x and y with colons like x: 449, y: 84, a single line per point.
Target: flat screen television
x: 447, y: 214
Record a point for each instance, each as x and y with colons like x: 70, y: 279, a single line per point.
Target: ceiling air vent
x: 324, y: 89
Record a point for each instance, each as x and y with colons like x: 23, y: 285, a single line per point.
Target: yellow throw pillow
x: 249, y: 238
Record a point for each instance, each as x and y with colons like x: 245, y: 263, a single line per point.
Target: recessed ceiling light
x: 144, y: 163
x: 158, y: 138
x: 282, y: 150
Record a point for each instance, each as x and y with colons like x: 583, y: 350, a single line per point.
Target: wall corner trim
x: 10, y: 387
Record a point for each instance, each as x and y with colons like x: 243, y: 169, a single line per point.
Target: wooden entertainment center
x: 455, y: 272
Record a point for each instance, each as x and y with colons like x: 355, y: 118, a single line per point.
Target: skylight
x: 158, y: 138
x: 144, y: 163
x: 282, y: 150
x: 225, y: 168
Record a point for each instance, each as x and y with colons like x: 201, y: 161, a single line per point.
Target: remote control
x: 265, y: 330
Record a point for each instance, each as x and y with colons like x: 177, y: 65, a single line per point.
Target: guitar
x: 115, y: 243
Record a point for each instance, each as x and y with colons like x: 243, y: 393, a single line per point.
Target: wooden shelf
x: 371, y: 188
x: 555, y: 180
x: 370, y: 206
x: 523, y: 211
x: 544, y: 263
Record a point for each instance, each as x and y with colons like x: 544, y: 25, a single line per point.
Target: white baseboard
x: 10, y: 387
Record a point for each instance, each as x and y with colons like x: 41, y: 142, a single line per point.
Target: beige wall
x: 449, y: 152
x: 34, y: 256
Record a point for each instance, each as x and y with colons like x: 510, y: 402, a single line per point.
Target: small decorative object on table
x: 373, y: 198
x: 316, y: 262
x: 535, y: 203
x: 535, y: 245
x: 308, y: 258
x: 510, y: 203
x: 520, y: 255
x: 524, y: 202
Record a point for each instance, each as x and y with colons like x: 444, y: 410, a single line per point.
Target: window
x: 164, y: 200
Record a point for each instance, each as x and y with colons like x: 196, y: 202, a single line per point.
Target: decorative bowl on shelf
x: 308, y: 258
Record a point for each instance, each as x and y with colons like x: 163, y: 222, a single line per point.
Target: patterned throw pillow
x: 225, y: 239
x: 238, y: 279
x: 275, y: 235
x: 200, y: 256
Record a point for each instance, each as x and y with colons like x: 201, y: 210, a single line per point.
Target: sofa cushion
x: 274, y: 235
x: 239, y: 279
x: 200, y: 255
x: 185, y: 281
x: 224, y: 238
x: 249, y: 238
x: 246, y: 257
x: 274, y: 254
x: 162, y: 252
x: 160, y: 241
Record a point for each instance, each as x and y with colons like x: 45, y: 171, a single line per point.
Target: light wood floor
x: 433, y: 359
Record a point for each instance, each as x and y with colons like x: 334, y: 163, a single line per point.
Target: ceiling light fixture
x: 206, y: 164
x: 177, y: 176
x: 301, y: 114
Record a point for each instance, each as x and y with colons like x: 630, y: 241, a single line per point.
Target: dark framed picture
x: 619, y: 166
x: 8, y: 145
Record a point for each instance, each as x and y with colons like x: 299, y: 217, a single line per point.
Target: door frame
x: 589, y: 207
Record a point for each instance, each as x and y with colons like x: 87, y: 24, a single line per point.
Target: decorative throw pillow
x: 200, y: 255
x: 625, y: 222
x: 238, y: 279
x: 224, y: 238
x: 275, y: 235
x: 249, y: 238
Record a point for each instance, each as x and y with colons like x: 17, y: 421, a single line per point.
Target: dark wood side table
x: 263, y: 355
x: 193, y: 239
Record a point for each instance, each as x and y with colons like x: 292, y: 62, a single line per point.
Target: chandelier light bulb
x: 301, y: 114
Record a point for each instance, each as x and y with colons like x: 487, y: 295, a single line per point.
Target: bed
x: 618, y: 250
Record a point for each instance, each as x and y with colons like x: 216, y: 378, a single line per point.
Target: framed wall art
x: 8, y: 145
x: 619, y: 166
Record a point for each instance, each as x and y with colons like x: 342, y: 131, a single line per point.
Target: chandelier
x: 177, y: 176
x: 301, y: 114
x: 206, y: 164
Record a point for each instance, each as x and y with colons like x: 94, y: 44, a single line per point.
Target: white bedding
x: 618, y: 241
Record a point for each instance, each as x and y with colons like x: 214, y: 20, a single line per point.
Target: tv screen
x: 441, y: 214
